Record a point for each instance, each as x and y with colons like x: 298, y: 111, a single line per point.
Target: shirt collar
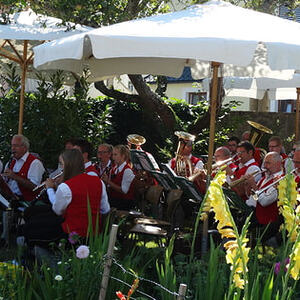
x: 87, y: 164
x: 121, y: 167
x: 24, y: 157
x: 250, y: 161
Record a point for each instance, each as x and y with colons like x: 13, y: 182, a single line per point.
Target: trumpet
x: 44, y: 183
x: 242, y: 179
x: 256, y: 194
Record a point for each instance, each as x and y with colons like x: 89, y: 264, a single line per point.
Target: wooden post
x: 23, y: 82
x: 297, y: 115
x: 107, y: 265
x: 213, y: 107
x: 182, y: 291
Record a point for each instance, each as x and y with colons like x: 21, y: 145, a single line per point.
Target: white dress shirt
x: 127, y: 179
x: 269, y: 196
x: 92, y: 173
x: 63, y: 197
x: 107, y: 167
x: 35, y: 172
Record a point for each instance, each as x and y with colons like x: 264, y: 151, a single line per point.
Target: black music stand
x: 141, y: 161
x: 184, y: 184
x: 164, y: 180
x: 6, y: 194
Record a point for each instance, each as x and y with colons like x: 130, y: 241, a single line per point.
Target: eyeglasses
x: 103, y: 152
x: 232, y: 145
x: 273, y: 146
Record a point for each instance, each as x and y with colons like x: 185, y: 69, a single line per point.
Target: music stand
x: 141, y: 161
x: 184, y: 184
x: 164, y: 180
x: 6, y: 194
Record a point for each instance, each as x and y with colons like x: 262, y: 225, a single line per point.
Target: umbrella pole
x: 22, y: 94
x: 213, y: 107
x: 297, y: 115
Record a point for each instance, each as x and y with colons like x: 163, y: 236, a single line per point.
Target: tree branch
x: 100, y: 86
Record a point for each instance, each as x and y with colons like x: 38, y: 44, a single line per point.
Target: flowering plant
x: 82, y: 252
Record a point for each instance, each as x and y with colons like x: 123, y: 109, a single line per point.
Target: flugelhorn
x: 44, y: 183
x: 242, y: 179
x: 256, y: 194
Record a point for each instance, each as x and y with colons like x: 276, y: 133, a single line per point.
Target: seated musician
x: 104, y: 155
x: 24, y: 171
x: 120, y: 179
x: 276, y: 145
x: 296, y: 161
x: 196, y: 162
x: 266, y: 210
x: 232, y: 144
x: 71, y: 197
x: 135, y: 141
x: 86, y: 149
x: 223, y: 154
x: 296, y: 145
x: 246, y: 166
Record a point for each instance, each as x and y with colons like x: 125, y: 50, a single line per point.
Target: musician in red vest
x: 266, y: 210
x: 246, y: 167
x: 120, y: 180
x: 296, y: 161
x: 78, y: 194
x: 223, y: 154
x: 276, y: 145
x: 196, y: 162
x: 24, y: 171
x: 104, y: 155
x: 86, y: 149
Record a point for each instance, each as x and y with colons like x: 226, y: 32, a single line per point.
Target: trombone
x: 242, y: 179
x: 256, y: 194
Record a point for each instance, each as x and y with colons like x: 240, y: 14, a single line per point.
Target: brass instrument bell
x: 257, y: 131
x: 136, y: 139
x: 185, y: 136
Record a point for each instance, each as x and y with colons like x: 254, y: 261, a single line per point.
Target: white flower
x: 58, y: 277
x: 59, y: 262
x: 82, y: 251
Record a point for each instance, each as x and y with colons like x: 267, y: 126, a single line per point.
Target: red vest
x: 84, y: 188
x: 27, y: 194
x: 92, y: 168
x: 239, y: 172
x: 267, y: 214
x: 194, y: 160
x: 117, y: 179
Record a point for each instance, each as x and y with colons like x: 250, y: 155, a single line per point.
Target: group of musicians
x: 81, y: 188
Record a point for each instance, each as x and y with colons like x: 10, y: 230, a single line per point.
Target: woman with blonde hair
x: 120, y: 180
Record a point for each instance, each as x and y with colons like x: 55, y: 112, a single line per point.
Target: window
x: 194, y: 98
x: 287, y: 106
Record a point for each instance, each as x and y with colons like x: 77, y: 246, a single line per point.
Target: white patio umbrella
x: 276, y: 89
x: 216, y: 32
x: 25, y: 30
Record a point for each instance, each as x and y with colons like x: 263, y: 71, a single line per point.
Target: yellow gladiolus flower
x: 295, y: 259
x: 238, y: 281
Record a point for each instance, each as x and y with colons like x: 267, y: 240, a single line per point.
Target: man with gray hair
x: 104, y: 154
x: 24, y: 171
x: 265, y: 202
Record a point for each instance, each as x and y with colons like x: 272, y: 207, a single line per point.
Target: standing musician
x: 24, y: 172
x: 86, y: 149
x: 247, y: 166
x: 184, y: 163
x: 104, y: 155
x: 266, y: 210
x: 119, y: 181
